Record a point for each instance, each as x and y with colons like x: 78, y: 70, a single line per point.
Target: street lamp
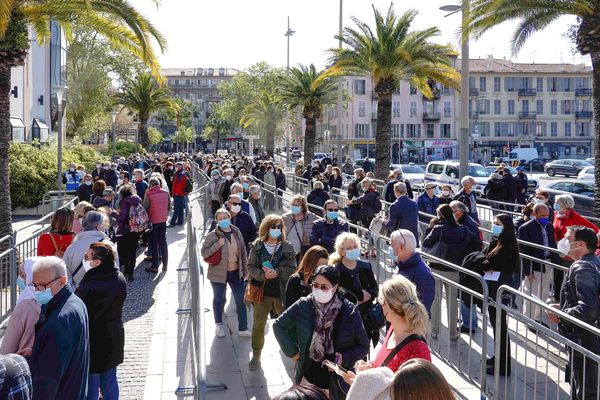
x: 60, y: 93
x: 288, y: 34
x: 339, y: 99
x: 113, y: 115
x: 192, y: 98
x: 463, y: 139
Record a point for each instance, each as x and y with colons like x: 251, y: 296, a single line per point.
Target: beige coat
x: 218, y: 273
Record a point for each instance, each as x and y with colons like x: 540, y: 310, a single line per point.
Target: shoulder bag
x: 255, y: 290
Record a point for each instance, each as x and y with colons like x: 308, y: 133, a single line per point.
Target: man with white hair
x: 402, y: 250
x: 225, y: 188
x: 59, y: 360
x: 403, y: 212
x: 238, y: 189
x: 467, y: 196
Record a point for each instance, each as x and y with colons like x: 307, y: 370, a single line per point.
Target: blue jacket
x: 531, y: 231
x: 404, y: 215
x: 390, y: 197
x: 60, y: 356
x: 140, y: 188
x: 456, y: 239
x: 428, y: 206
x: 71, y: 180
x: 244, y: 223
x: 324, y: 234
x: 415, y: 270
x: 466, y: 200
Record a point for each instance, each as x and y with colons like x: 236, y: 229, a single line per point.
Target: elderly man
x: 389, y: 188
x: 538, y: 278
x: 428, y: 202
x: 403, y: 212
x: 241, y: 219
x: 326, y: 230
x: 92, y: 225
x: 254, y: 200
x: 59, y: 360
x: 579, y: 299
x: 410, y: 265
x: 238, y: 189
x: 467, y: 196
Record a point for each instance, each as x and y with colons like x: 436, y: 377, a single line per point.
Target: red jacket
x: 46, y: 246
x: 179, y: 180
x: 156, y: 202
x: 571, y: 218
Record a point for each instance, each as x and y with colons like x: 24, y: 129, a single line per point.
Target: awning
x: 40, y: 130
x: 17, y: 130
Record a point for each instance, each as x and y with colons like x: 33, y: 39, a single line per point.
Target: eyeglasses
x: 319, y: 286
x: 275, y: 226
x: 235, y: 204
x: 333, y: 209
x: 41, y: 286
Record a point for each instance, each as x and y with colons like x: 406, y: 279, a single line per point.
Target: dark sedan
x: 565, y: 167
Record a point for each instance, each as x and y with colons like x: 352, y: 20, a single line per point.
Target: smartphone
x: 338, y: 369
x: 267, y: 264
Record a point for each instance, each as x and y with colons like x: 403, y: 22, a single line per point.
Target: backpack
x: 138, y: 218
x: 377, y: 205
x: 189, y: 184
x: 59, y: 251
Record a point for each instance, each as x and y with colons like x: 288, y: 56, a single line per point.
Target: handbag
x: 254, y: 293
x: 377, y: 226
x: 439, y: 248
x: 213, y: 259
x: 374, y: 319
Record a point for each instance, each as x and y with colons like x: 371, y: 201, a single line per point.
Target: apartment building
x: 546, y: 106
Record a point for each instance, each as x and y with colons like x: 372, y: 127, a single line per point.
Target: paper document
x: 492, y: 276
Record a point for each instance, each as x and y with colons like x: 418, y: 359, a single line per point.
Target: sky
x: 239, y: 33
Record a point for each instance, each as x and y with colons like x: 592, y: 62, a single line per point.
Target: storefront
x: 438, y: 150
x: 556, y: 150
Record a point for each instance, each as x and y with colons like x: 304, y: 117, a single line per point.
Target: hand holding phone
x: 338, y: 369
x: 267, y: 264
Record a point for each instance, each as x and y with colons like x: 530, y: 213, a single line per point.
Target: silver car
x: 581, y: 190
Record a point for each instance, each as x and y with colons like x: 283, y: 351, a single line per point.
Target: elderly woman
x: 356, y: 277
x: 20, y: 332
x: 127, y: 239
x: 254, y: 200
x: 299, y: 224
x: 232, y: 269
x: 367, y: 202
x: 322, y: 326
x: 271, y: 263
x: 299, y: 283
x: 78, y: 212
x: 60, y: 236
x: 317, y: 198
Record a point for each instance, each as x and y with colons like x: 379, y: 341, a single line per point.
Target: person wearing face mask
x: 541, y: 197
x: 270, y: 188
x: 299, y: 283
x: 467, y: 196
x: 84, y: 191
x: 579, y: 299
x: 446, y: 195
x: 322, y: 326
x: 402, y: 251
x: 238, y: 189
x: 98, y: 172
x: 496, y: 191
x: 368, y: 203
x: 254, y: 200
x: 522, y: 186
x: 299, y: 223
x: 537, y: 279
x: 111, y: 176
x: 395, y: 177
x: 566, y: 216
x: 231, y: 270
x: 271, y: 263
x: 356, y: 278
x: 59, y: 360
x: 428, y: 202
x: 168, y: 174
x: 240, y: 219
x: 317, y: 197
x: 335, y: 180
x: 403, y: 212
x: 326, y: 230
x: 20, y: 332
x: 82, y: 208
x: 214, y: 190
x: 225, y: 188
x: 140, y: 184
x: 71, y: 178
x: 103, y: 290
x: 179, y: 193
x: 246, y: 182
x: 281, y: 185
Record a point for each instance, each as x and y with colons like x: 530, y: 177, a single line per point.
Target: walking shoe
x: 153, y: 270
x: 254, y: 363
x: 220, y: 330
x: 464, y: 329
x: 245, y: 333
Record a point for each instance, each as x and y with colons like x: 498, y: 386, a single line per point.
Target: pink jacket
x: 158, y: 203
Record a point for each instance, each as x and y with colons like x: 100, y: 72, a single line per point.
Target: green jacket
x: 284, y: 262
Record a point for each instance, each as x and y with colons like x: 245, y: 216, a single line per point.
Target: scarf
x: 28, y: 293
x: 321, y: 343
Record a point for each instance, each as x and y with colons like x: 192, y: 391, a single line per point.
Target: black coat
x: 296, y: 288
x: 511, y: 189
x: 84, y: 192
x: 456, y: 239
x: 103, y: 290
x: 496, y: 189
x: 531, y: 231
x: 390, y: 196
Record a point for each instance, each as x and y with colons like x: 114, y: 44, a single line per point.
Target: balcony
x: 583, y: 92
x: 584, y: 114
x: 433, y: 116
x: 435, y: 94
x: 527, y: 92
x: 473, y: 92
x: 527, y: 115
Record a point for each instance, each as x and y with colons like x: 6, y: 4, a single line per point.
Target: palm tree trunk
x: 5, y: 203
x: 310, y: 134
x: 595, y: 55
x: 271, y: 138
x: 143, y: 132
x: 382, y: 137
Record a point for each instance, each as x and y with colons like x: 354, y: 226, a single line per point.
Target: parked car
x: 414, y: 173
x: 296, y: 155
x: 446, y: 172
x: 565, y: 167
x: 537, y: 164
x: 358, y: 163
x: 532, y: 183
x: 586, y: 174
x: 581, y: 190
x: 591, y: 160
x: 319, y: 156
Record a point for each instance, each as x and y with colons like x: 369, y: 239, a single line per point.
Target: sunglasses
x: 324, y: 288
x: 275, y: 226
x: 333, y: 209
x: 235, y: 204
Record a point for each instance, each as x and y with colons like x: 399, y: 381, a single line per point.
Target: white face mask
x: 228, y: 177
x: 540, y: 201
x: 445, y: 193
x: 322, y: 296
x: 564, y: 246
x: 119, y: 182
x: 236, y: 209
x: 86, y: 265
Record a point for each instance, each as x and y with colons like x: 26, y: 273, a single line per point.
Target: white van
x: 521, y: 154
x: 447, y: 173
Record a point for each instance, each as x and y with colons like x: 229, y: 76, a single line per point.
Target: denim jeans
x: 105, y: 381
x: 238, y: 287
x: 159, y: 244
x: 178, y: 206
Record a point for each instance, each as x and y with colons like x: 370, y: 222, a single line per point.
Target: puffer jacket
x: 284, y: 262
x: 317, y: 197
x: 218, y: 273
x: 456, y: 239
x: 496, y: 189
x: 123, y: 216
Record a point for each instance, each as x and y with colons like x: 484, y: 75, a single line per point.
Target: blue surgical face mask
x: 44, y: 296
x: 497, y: 230
x: 556, y: 207
x: 245, y: 186
x: 353, y: 254
x: 543, y: 221
x: 296, y: 209
x: 21, y: 283
x: 392, y: 254
x: 224, y: 223
x: 274, y: 233
x: 332, y: 214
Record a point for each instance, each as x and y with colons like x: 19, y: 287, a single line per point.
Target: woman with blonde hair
x: 271, y: 262
x: 78, y: 212
x: 299, y: 283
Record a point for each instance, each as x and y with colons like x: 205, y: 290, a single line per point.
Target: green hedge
x: 33, y: 170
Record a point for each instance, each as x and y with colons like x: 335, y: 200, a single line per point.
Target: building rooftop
x: 174, y: 72
x: 508, y: 67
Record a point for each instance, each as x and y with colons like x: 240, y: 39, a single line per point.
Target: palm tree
x: 390, y: 53
x: 264, y: 113
x: 143, y: 96
x: 310, y: 90
x: 534, y: 16
x: 215, y: 125
x: 119, y: 22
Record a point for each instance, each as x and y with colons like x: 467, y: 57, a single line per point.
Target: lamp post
x: 463, y: 139
x: 60, y: 93
x: 192, y: 98
x: 113, y: 115
x: 339, y: 99
x: 288, y: 34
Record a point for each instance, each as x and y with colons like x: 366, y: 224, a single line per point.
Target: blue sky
x: 238, y: 33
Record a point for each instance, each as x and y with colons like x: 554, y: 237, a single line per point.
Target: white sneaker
x: 245, y: 333
x: 220, y: 330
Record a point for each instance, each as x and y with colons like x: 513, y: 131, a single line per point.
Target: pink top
x: 414, y: 349
x: 20, y: 332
